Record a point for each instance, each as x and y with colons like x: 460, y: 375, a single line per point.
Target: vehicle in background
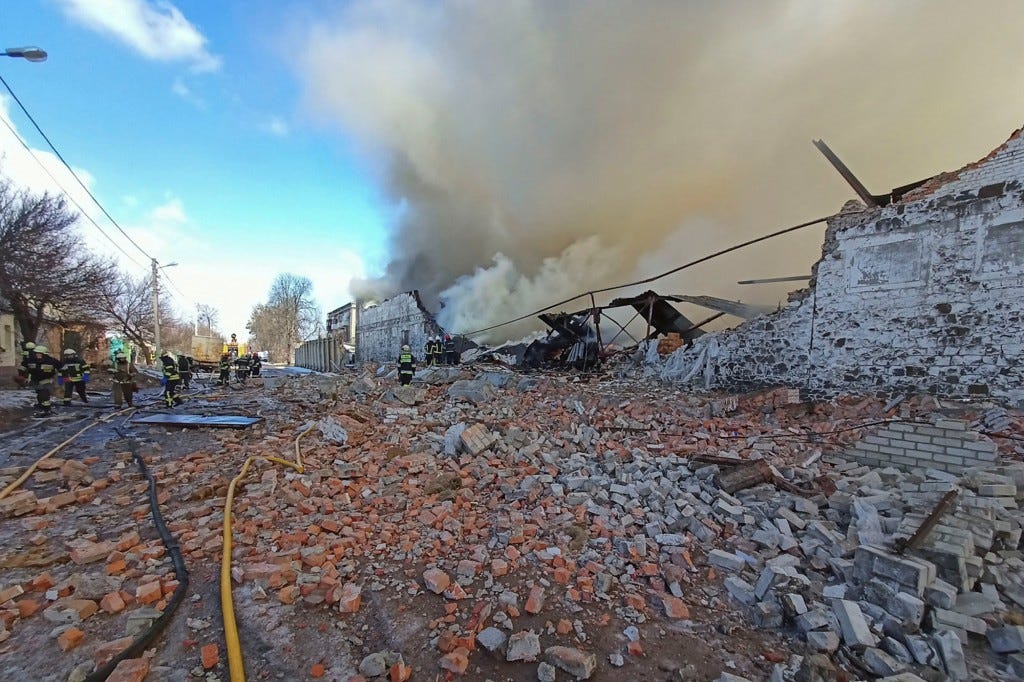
x: 206, y: 351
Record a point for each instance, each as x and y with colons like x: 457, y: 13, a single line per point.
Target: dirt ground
x: 286, y: 600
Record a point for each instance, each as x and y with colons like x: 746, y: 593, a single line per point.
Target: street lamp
x: 32, y: 54
x: 156, y: 302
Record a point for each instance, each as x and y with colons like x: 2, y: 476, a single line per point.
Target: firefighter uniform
x: 436, y: 351
x: 406, y: 366
x: 74, y: 372
x: 185, y: 371
x: 450, y: 356
x: 123, y: 381
x: 242, y: 368
x: 41, y: 369
x: 225, y: 370
x: 257, y: 365
x: 171, y: 380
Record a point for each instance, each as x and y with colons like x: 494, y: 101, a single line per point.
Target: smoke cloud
x: 538, y: 149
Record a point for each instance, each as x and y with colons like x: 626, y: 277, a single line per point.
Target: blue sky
x: 519, y: 152
x: 190, y: 125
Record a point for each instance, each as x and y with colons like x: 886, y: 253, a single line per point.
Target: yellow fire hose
x: 35, y: 465
x: 236, y: 668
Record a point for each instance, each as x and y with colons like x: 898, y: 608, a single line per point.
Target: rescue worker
x: 41, y: 371
x: 26, y: 348
x: 428, y: 349
x: 185, y: 370
x: 242, y: 368
x: 74, y: 374
x: 225, y: 370
x: 171, y: 380
x: 123, y: 382
x: 28, y: 354
x: 438, y: 351
x: 257, y: 364
x: 406, y: 366
x: 449, y: 350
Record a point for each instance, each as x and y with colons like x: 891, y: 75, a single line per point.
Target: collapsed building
x: 918, y: 291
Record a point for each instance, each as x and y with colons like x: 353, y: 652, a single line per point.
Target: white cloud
x: 179, y: 88
x: 170, y: 212
x: 276, y: 126
x: 156, y: 30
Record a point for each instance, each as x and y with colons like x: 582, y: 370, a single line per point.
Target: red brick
x: 106, y: 652
x: 112, y: 603
x: 210, y: 656
x: 675, y: 608
x: 457, y: 661
x: 149, y: 593
x: 317, y: 671
x: 436, y: 580
x: 535, y: 602
x: 70, y: 638
x: 27, y: 607
x: 130, y: 670
x: 351, y: 598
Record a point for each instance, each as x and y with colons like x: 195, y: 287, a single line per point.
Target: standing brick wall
x: 381, y: 329
x: 926, y: 295
x: 945, y: 444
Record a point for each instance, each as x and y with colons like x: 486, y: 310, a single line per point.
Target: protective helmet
x: 406, y: 348
x: 120, y: 356
x: 69, y: 351
x: 30, y: 345
x: 447, y: 337
x: 42, y: 349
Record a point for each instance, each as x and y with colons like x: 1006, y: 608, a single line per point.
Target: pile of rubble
x: 496, y: 525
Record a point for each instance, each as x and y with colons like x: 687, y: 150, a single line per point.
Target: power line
x: 72, y: 171
x: 68, y: 194
x: 684, y: 266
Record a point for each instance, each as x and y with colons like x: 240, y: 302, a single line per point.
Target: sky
x: 497, y: 156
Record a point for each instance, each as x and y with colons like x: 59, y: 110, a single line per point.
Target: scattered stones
x: 523, y: 646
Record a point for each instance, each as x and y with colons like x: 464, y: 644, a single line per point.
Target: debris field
x: 494, y: 525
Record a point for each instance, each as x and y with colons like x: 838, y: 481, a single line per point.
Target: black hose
x: 142, y: 642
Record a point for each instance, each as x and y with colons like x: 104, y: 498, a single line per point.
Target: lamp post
x: 156, y: 303
x: 32, y: 53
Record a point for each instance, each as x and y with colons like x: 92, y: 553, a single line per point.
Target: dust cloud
x: 538, y: 149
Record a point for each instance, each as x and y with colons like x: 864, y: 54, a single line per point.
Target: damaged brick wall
x: 383, y: 328
x: 922, y: 296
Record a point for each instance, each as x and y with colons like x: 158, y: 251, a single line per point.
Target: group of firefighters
x: 436, y: 351
x: 40, y: 371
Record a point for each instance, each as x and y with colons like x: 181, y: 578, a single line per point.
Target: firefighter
x: 225, y: 370
x: 74, y: 374
x: 406, y: 366
x: 26, y: 349
x: 438, y: 349
x: 428, y: 349
x: 124, y: 379
x: 257, y: 364
x: 28, y: 359
x: 171, y: 379
x: 185, y: 370
x: 450, y: 356
x: 242, y: 368
x: 41, y: 370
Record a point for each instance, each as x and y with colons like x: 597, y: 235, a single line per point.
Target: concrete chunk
x: 856, y: 632
x: 952, y: 652
x: 1006, y: 640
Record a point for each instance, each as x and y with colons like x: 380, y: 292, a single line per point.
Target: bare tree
x: 45, y: 268
x: 207, y: 318
x: 289, y: 316
x: 127, y: 304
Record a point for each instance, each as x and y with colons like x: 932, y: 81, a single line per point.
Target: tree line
x: 49, y: 275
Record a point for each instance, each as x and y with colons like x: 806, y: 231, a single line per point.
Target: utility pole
x: 156, y: 308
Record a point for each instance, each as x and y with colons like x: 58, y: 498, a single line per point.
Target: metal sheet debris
x: 217, y: 421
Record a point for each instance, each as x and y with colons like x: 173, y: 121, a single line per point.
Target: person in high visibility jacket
x: 74, y: 373
x: 436, y: 350
x: 225, y: 370
x: 28, y: 351
x: 123, y: 381
x: 171, y: 380
x: 406, y: 366
x: 41, y: 370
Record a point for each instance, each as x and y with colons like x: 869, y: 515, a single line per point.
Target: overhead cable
x: 684, y: 266
x: 68, y: 194
x: 72, y: 171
